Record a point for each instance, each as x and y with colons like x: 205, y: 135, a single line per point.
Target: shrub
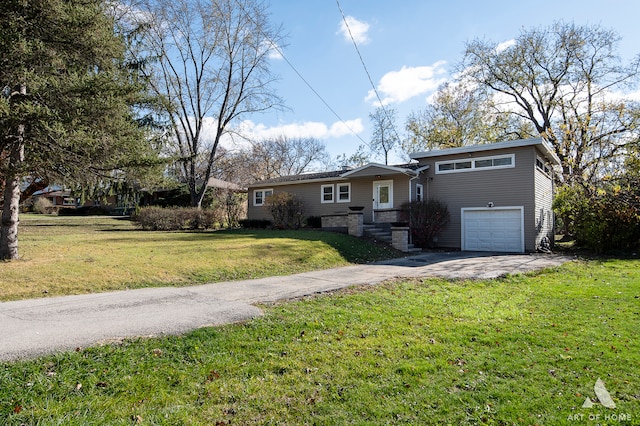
x: 175, y: 219
x: 314, y: 222
x: 84, y: 211
x: 426, y: 220
x: 42, y: 205
x: 254, y: 223
x: 286, y: 209
x: 603, y: 220
x: 230, y: 206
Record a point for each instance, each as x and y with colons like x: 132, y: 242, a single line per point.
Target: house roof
x: 375, y: 169
x: 542, y: 145
x: 306, y: 177
x: 52, y: 191
x: 371, y: 169
x: 223, y: 184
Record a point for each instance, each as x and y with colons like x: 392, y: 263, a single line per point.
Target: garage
x: 499, y: 229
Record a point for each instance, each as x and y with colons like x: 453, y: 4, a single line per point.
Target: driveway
x: 40, y: 326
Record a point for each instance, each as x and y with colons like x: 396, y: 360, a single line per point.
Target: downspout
x: 418, y: 172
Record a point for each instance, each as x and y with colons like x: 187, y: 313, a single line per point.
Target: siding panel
x: 361, y: 195
x: 512, y: 187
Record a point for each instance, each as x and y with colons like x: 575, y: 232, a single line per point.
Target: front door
x: 383, y: 194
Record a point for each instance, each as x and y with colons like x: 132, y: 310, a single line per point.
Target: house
x: 499, y: 195
x: 57, y: 196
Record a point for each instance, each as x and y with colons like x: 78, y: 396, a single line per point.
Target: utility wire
x: 375, y: 90
x: 315, y: 92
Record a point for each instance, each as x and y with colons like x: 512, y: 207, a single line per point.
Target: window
x: 326, y: 193
x: 259, y: 196
x: 542, y: 166
x: 419, y: 192
x: 462, y: 165
x: 344, y: 192
x: 484, y: 163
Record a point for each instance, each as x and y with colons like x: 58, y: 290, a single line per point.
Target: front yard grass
x: 74, y: 255
x: 522, y: 350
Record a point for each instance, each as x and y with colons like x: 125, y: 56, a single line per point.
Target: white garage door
x: 493, y: 229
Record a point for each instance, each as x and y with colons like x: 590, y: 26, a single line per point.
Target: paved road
x: 40, y: 326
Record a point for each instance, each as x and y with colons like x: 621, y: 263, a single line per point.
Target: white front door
x: 383, y: 194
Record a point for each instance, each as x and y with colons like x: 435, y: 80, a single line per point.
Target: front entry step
x: 382, y: 232
x: 378, y: 233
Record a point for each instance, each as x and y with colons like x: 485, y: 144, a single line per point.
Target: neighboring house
x: 117, y: 204
x: 57, y: 195
x: 499, y: 195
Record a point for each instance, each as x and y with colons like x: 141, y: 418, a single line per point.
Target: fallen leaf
x: 17, y: 409
x: 603, y: 395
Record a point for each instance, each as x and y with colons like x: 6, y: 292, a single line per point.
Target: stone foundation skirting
x: 387, y: 216
x: 335, y: 222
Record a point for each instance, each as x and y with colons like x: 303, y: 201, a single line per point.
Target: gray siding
x: 310, y: 192
x: 502, y: 187
x: 544, y: 219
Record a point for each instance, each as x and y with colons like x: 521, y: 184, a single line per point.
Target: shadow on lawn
x: 353, y: 250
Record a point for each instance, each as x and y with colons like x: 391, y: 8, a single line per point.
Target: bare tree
x: 272, y: 158
x: 359, y: 158
x: 212, y: 67
x: 383, y: 136
x: 561, y: 79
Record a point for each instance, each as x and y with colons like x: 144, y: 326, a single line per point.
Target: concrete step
x: 378, y: 234
x: 383, y: 234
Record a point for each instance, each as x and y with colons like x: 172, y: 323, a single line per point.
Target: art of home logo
x: 604, y: 398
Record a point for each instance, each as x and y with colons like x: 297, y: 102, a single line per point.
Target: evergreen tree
x: 66, y: 102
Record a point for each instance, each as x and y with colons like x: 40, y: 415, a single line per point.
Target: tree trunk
x: 11, y: 205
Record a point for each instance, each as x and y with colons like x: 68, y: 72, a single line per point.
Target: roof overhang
x: 295, y: 182
x: 541, y: 144
x: 375, y: 169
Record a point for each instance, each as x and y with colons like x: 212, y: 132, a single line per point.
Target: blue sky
x: 409, y: 48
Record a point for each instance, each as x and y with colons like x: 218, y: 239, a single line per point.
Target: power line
x: 366, y: 70
x: 315, y: 92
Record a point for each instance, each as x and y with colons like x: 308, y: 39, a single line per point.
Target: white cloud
x: 399, y: 86
x: 273, y: 50
x: 505, y: 45
x: 308, y: 129
x: 358, y: 30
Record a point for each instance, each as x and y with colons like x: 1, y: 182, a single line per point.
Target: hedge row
x: 176, y: 218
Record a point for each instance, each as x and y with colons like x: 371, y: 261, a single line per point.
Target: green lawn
x: 72, y: 255
x: 522, y: 350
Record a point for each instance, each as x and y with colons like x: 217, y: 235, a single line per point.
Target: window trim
x: 264, y: 196
x: 545, y: 169
x: 338, y: 185
x: 420, y: 193
x: 473, y: 164
x: 333, y: 194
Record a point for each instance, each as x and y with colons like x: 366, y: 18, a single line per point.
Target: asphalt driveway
x: 40, y: 326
